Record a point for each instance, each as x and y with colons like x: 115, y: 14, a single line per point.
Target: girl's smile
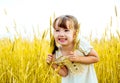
x: 62, y: 40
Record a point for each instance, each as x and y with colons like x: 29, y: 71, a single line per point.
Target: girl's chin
x: 62, y: 44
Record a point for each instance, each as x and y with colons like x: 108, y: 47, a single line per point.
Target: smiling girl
x: 76, y: 54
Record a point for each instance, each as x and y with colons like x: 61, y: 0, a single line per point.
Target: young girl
x: 72, y: 58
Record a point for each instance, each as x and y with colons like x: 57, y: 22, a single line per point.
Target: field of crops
x: 24, y: 61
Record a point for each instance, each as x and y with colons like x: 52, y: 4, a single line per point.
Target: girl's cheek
x: 55, y: 35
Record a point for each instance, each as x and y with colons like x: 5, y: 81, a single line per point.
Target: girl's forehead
x: 66, y: 24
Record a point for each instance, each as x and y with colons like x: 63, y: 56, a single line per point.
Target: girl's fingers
x: 49, y: 59
x: 50, y: 55
x: 71, y: 54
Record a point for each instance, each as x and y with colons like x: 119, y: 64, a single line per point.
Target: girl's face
x: 64, y: 36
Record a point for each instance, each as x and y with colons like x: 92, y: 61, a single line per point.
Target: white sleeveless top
x: 77, y: 72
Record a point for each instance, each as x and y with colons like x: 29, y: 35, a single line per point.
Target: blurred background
x: 33, y: 16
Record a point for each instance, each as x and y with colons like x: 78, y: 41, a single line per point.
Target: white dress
x: 78, y: 73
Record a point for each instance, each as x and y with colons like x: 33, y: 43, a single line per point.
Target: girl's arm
x: 92, y: 57
x: 61, y: 70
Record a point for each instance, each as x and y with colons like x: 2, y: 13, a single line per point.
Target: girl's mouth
x: 62, y: 39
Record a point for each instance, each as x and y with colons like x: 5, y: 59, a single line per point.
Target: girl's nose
x: 61, y: 33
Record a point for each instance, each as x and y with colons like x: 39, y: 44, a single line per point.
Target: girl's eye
x: 57, y: 30
x: 67, y: 30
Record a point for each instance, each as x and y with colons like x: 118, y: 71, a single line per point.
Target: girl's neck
x: 67, y: 48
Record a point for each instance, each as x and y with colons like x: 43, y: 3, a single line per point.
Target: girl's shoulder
x: 84, y: 45
x: 83, y: 40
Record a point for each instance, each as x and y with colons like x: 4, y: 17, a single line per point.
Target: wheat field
x: 24, y: 61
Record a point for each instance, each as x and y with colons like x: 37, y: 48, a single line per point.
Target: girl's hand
x: 73, y: 57
x: 50, y: 58
x: 61, y: 70
x: 92, y: 57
